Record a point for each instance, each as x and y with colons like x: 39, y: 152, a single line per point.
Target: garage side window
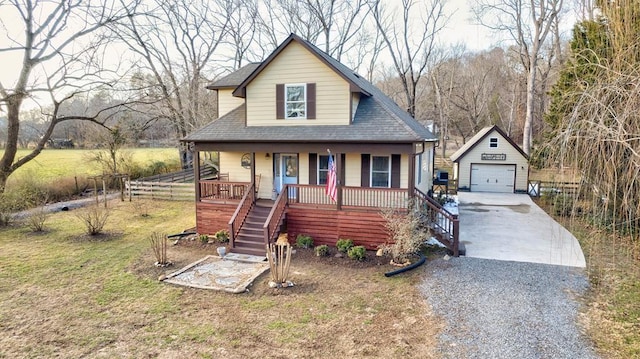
x: 493, y: 142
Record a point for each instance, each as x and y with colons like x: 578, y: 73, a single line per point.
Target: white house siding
x: 353, y: 167
x: 264, y: 168
x: 355, y: 101
x: 294, y: 65
x: 226, y: 101
x: 473, y: 156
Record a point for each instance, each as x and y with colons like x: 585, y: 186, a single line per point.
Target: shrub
x: 304, y: 241
x: 222, y: 236
x: 37, y: 218
x: 94, y: 219
x: 358, y: 253
x: 344, y: 245
x: 563, y: 205
x: 407, y: 234
x: 159, y: 245
x: 204, y: 238
x: 322, y: 250
x: 10, y: 202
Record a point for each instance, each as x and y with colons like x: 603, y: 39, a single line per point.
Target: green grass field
x: 52, y: 163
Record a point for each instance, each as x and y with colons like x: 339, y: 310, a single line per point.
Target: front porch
x: 306, y: 209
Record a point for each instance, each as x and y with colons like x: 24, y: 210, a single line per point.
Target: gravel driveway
x: 502, y: 309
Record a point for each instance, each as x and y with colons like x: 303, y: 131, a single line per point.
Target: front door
x: 285, y: 169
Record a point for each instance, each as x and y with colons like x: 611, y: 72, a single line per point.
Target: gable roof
x: 232, y: 80
x: 377, y: 119
x: 351, y: 77
x: 478, y: 137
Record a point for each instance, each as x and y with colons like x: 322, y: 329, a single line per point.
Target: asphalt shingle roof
x: 377, y: 119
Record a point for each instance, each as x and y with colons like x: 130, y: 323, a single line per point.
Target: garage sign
x: 493, y: 157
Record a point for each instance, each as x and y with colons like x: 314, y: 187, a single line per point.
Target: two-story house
x: 277, y: 121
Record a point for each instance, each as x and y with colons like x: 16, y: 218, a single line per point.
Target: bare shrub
x: 405, y: 232
x: 37, y: 218
x: 94, y: 219
x: 140, y: 207
x: 159, y: 245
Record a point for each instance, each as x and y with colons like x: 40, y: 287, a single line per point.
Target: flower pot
x: 221, y: 251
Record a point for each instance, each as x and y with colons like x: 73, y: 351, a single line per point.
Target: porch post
x: 338, y: 164
x: 253, y: 172
x: 196, y: 172
x: 412, y: 174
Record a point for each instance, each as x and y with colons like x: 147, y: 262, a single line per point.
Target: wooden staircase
x: 250, y: 239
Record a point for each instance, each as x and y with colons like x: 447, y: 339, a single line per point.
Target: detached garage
x: 491, y: 162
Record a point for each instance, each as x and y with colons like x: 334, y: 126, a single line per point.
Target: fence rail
x: 160, y: 190
x: 539, y: 188
x: 179, y: 176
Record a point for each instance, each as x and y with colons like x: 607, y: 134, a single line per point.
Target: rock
x: 273, y: 284
x: 162, y: 277
x: 175, y: 243
x: 446, y: 257
x: 339, y: 255
x: 380, y: 252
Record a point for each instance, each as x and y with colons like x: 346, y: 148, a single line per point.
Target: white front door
x: 285, y: 169
x: 493, y: 178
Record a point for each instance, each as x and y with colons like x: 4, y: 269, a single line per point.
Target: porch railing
x: 275, y: 216
x: 375, y: 197
x: 222, y: 190
x: 351, y: 196
x: 445, y: 225
x: 241, y: 213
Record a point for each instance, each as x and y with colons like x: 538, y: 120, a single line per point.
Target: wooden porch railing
x: 222, y: 190
x: 445, y: 225
x: 375, y: 197
x: 239, y: 216
x: 351, y: 196
x: 275, y: 216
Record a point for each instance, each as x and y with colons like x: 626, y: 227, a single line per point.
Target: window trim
x: 388, y: 171
x: 493, y: 142
x: 304, y: 101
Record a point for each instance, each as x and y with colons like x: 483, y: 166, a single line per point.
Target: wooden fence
x: 541, y: 188
x: 160, y: 190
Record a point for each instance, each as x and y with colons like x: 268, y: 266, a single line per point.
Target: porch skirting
x: 326, y: 226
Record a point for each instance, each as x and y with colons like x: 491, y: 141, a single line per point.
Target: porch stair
x: 250, y: 239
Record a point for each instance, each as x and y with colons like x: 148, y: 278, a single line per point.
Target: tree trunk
x: 13, y: 131
x: 531, y: 91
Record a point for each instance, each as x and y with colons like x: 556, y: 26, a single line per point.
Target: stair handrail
x: 448, y: 223
x: 241, y: 213
x: 270, y: 226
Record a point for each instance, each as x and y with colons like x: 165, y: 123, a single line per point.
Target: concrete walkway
x: 511, y: 227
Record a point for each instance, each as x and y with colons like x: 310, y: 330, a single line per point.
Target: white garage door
x: 493, y: 178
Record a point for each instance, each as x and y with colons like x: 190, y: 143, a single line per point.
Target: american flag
x: 331, y: 189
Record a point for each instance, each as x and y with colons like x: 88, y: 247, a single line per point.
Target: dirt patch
x: 338, y: 307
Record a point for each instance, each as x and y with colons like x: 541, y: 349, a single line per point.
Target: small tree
x: 405, y: 231
x: 159, y: 245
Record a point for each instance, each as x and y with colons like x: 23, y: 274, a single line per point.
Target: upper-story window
x: 493, y: 142
x: 296, y: 101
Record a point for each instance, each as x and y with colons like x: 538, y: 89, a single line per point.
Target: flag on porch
x: 331, y: 189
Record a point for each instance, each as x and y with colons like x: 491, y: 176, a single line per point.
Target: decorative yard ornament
x: 279, y: 256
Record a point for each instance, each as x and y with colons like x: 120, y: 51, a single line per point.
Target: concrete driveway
x: 512, y: 227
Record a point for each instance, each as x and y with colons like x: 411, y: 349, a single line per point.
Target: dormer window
x: 296, y: 101
x: 493, y: 142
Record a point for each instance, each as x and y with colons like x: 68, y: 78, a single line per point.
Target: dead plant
x: 94, y: 219
x: 406, y: 233
x: 159, y: 245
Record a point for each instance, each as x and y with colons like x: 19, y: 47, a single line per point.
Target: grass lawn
x: 55, y: 163
x: 64, y: 294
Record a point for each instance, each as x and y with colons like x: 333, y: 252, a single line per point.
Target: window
x: 380, y: 171
x: 295, y: 101
x: 323, y: 169
x: 493, y: 142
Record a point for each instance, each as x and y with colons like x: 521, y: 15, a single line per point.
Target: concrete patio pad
x: 512, y: 227
x: 232, y: 274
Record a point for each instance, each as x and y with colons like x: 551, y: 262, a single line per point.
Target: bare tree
x: 176, y: 42
x: 528, y: 23
x: 410, y: 39
x: 61, y: 48
x: 243, y: 33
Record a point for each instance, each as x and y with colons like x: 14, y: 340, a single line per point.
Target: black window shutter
x: 279, y: 101
x: 395, y: 171
x: 365, y: 170
x: 311, y: 101
x: 313, y: 168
